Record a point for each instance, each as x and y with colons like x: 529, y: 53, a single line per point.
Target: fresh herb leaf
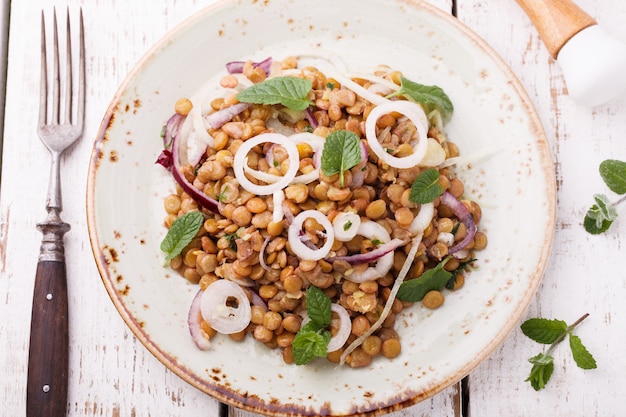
x: 600, y: 216
x: 544, y: 330
x: 318, y: 306
x: 342, y: 151
x: 543, y: 366
x: 414, y: 290
x: 581, y: 355
x: 291, y: 92
x: 462, y: 267
x: 432, y: 96
x: 181, y: 232
x: 309, y: 344
x: 553, y: 332
x: 312, y: 339
x: 613, y: 173
x: 426, y: 188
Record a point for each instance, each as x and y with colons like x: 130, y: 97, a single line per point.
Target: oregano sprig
x: 603, y: 213
x: 553, y: 332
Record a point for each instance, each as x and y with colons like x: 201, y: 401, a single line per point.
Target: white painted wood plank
x: 112, y: 374
x: 585, y: 273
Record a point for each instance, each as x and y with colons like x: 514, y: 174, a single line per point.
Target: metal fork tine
x: 56, y: 82
x: 43, y: 96
x: 68, y: 72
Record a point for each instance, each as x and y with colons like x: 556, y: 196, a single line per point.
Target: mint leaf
x: 426, y: 188
x: 291, y: 92
x: 414, y: 290
x: 181, y: 232
x: 581, y: 355
x: 318, y: 307
x: 309, y: 344
x: 613, y: 172
x: 600, y: 216
x: 543, y: 366
x: 544, y: 330
x: 342, y: 151
x: 432, y: 96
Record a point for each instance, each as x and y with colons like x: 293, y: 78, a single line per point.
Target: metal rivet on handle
x: 46, y: 388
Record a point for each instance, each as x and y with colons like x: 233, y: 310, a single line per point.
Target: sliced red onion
x: 287, y: 213
x: 165, y: 159
x: 414, y: 113
x: 241, y: 156
x: 423, y: 218
x: 171, y: 129
x: 345, y: 328
x: 364, y: 258
x: 219, y: 118
x: 262, y: 254
x: 392, y: 296
x: 236, y: 67
x: 299, y: 248
x: 217, y: 309
x: 311, y: 118
x: 374, y: 231
x: 195, y: 324
x: 198, y: 196
x: 346, y: 225
x: 463, y: 214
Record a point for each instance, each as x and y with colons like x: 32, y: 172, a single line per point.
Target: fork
x: 47, y: 381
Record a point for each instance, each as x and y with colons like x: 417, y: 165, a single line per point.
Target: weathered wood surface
x: 112, y: 374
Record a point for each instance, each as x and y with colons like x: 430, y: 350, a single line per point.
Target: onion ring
x: 299, y: 248
x: 241, y: 160
x: 372, y: 230
x: 414, y: 113
x: 218, y: 313
x: 195, y: 324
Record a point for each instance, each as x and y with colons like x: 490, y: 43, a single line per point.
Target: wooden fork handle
x: 47, y: 384
x: 556, y: 21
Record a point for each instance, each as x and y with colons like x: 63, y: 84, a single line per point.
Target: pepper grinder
x: 592, y: 61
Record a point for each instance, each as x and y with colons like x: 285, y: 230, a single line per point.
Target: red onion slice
x: 364, y: 258
x: 463, y: 214
x: 218, y: 310
x: 195, y: 324
x: 414, y: 113
x: 373, y: 231
x: 236, y: 67
x: 219, y: 118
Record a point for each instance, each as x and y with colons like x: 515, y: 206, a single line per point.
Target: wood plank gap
x: 465, y: 397
x: 454, y: 8
x: 224, y: 410
x: 4, y: 54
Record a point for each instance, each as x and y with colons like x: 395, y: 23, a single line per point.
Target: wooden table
x: 112, y: 374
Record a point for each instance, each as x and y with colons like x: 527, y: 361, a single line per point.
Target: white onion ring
x: 372, y: 230
x: 278, y: 199
x: 195, y: 325
x: 423, y: 218
x: 414, y: 113
x: 220, y: 316
x: 340, y: 221
x: 241, y: 160
x: 435, y: 154
x: 298, y: 247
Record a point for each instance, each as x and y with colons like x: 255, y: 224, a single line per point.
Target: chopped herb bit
x: 347, y: 225
x: 330, y: 85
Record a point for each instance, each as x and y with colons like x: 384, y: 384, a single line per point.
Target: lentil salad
x: 273, y: 232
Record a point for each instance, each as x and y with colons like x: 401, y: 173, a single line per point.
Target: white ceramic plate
x: 513, y: 182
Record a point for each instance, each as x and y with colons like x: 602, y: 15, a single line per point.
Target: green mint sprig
x: 601, y: 215
x: 432, y: 96
x: 426, y: 187
x: 342, y: 151
x: 291, y: 92
x: 553, y: 332
x: 181, y: 232
x: 312, y: 339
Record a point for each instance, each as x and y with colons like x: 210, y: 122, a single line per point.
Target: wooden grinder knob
x: 556, y: 21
